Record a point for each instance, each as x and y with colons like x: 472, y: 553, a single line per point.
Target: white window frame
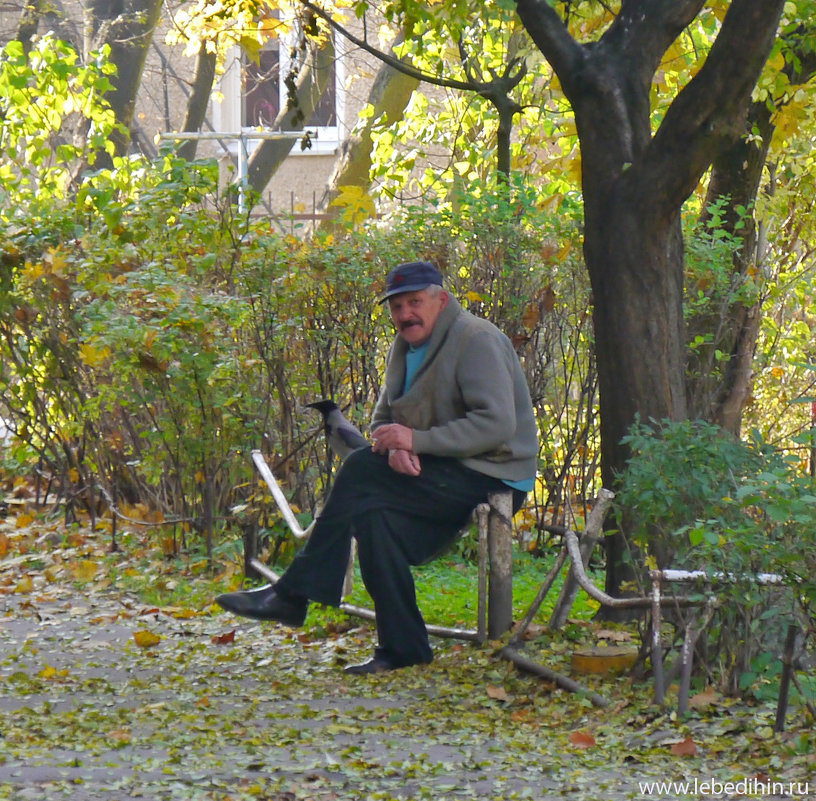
x: 228, y: 114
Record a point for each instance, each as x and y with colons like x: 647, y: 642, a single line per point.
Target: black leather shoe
x: 264, y: 604
x: 375, y: 665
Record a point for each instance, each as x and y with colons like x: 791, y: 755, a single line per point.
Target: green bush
x: 151, y: 339
x: 151, y: 335
x: 694, y: 497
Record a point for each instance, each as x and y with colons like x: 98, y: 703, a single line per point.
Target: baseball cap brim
x: 403, y: 289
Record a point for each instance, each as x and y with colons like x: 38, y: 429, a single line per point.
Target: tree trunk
x: 29, y: 22
x: 634, y: 186
x: 311, y: 82
x: 736, y: 176
x: 48, y: 16
x: 715, y: 395
x: 199, y: 99
x: 639, y: 334
x: 127, y: 26
x: 388, y: 97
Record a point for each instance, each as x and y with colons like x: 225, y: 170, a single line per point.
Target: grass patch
x: 447, y: 590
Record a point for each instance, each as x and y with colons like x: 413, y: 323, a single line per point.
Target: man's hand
x: 393, y: 437
x: 402, y: 461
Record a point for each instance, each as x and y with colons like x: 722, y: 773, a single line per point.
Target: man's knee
x: 362, y: 462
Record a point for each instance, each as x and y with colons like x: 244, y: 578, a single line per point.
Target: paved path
x: 87, y: 714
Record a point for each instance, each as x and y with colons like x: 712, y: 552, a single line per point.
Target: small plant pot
x: 604, y: 660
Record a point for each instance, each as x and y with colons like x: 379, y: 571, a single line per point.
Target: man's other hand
x: 393, y: 437
x: 406, y: 462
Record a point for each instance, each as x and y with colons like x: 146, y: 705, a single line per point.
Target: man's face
x: 415, y: 314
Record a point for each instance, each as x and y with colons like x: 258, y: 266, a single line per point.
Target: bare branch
x: 392, y: 61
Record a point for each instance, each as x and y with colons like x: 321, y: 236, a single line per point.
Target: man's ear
x: 445, y: 297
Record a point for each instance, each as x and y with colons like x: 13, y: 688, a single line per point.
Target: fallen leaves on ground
x: 104, y: 696
x: 581, y: 739
x: 145, y: 638
x: 685, y: 748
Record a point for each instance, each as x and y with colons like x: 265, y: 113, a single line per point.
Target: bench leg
x: 500, y: 550
x: 482, y: 514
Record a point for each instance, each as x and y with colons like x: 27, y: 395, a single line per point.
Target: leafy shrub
x: 694, y: 497
x: 46, y: 97
x: 151, y: 335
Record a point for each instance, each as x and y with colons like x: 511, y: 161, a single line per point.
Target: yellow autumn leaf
x: 179, y: 612
x: 50, y: 672
x: 145, y: 638
x: 56, y: 258
x: 93, y: 356
x: 24, y: 585
x: 574, y: 170
x: 719, y: 9
x: 355, y: 202
x: 474, y: 297
x: 251, y: 48
x: 551, y: 203
x: 25, y: 519
x: 32, y: 271
x: 777, y: 61
x: 790, y: 118
x: 83, y: 569
x: 676, y: 53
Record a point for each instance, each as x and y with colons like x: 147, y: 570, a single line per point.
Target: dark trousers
x: 398, y: 521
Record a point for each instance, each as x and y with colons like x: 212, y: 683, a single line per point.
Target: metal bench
x: 495, y: 549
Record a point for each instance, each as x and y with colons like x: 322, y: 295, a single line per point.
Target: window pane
x: 265, y: 91
x: 262, y: 91
x: 325, y: 112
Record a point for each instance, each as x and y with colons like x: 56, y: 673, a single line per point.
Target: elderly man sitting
x: 453, y: 423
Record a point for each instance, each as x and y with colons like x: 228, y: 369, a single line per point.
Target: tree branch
x: 603, y: 77
x: 703, y: 113
x: 643, y: 31
x: 553, y: 39
x: 392, y: 61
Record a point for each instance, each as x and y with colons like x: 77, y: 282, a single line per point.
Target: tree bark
x: 736, y: 178
x: 634, y: 185
x: 29, y: 22
x: 736, y: 174
x: 128, y: 27
x: 388, y: 97
x: 199, y: 98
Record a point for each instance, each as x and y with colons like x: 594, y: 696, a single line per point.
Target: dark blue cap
x: 411, y: 277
